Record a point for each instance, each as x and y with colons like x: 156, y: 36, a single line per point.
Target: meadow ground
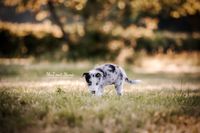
x: 54, y: 98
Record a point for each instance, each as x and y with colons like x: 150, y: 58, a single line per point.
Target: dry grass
x: 31, y: 101
x: 184, y: 62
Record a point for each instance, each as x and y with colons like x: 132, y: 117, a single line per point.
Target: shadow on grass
x: 9, y: 70
x: 38, y: 71
x: 189, y: 103
x: 11, y: 112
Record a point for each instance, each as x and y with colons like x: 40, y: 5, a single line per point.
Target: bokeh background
x: 156, y: 35
x: 46, y: 46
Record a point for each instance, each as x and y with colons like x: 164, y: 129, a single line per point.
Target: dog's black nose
x: 93, y: 92
x: 89, y: 83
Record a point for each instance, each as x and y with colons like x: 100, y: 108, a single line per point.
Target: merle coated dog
x: 106, y: 74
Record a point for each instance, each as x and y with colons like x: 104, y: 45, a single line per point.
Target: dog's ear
x: 84, y: 74
x: 98, y: 75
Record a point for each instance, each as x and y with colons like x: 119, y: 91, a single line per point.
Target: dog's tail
x: 129, y: 80
x: 132, y: 81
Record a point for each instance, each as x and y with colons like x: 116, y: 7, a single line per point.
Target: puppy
x: 106, y: 74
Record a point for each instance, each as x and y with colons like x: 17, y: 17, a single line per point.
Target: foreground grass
x: 75, y: 111
x: 163, y: 103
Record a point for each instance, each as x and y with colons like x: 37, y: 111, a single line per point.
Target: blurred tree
x: 123, y: 12
x: 52, y: 10
x: 100, y: 22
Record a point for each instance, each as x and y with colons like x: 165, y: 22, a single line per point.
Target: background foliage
x: 66, y: 29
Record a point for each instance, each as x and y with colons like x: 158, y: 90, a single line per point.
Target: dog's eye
x: 98, y: 75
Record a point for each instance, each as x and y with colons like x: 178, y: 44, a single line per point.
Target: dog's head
x: 93, y: 79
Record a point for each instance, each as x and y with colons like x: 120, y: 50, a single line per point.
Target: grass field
x: 33, y: 101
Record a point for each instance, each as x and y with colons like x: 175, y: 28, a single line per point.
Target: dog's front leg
x: 99, y: 91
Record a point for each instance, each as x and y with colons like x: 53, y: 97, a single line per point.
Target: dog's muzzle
x: 93, y: 92
x: 89, y: 83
